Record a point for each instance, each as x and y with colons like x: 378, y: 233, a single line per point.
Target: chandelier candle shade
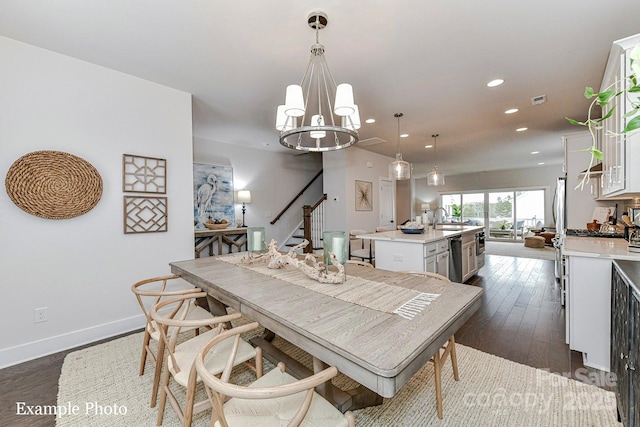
x: 244, y: 197
x: 255, y: 239
x: 435, y: 177
x: 334, y: 242
x: 399, y: 169
x: 310, y: 120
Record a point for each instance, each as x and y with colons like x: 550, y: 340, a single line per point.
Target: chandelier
x: 399, y: 169
x: 435, y: 177
x: 310, y: 120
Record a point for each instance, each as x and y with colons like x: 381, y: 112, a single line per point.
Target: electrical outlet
x: 40, y: 315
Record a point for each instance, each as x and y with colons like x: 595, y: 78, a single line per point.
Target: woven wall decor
x: 53, y: 184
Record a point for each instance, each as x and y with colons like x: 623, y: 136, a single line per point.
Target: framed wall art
x: 212, y: 193
x: 364, y: 195
x: 145, y: 214
x: 142, y: 174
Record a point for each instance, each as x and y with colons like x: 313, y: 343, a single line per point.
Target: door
x: 501, y: 215
x: 387, y: 203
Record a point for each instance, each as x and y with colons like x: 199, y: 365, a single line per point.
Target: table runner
x: 379, y: 296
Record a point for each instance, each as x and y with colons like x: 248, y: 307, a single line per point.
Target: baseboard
x: 35, y: 349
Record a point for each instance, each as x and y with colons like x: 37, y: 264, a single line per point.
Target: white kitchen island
x: 428, y: 251
x: 588, y: 286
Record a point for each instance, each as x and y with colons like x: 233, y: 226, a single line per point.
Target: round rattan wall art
x: 53, y: 184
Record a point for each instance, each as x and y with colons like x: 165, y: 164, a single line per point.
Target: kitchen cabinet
x: 625, y: 340
x: 430, y: 257
x: 442, y: 258
x: 588, y: 288
x: 469, y: 266
x: 431, y: 251
x: 620, y: 152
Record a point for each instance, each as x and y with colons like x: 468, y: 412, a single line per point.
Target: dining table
x: 378, y: 327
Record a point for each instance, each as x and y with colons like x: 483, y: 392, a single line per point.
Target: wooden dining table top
x: 380, y: 350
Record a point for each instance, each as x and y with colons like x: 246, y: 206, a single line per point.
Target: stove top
x: 578, y: 232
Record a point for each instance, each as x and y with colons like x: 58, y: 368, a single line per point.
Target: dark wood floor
x: 521, y: 319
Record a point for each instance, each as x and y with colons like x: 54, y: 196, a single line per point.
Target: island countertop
x: 429, y: 235
x: 599, y: 247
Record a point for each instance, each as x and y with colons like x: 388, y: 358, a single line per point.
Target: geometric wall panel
x: 145, y: 214
x: 143, y: 174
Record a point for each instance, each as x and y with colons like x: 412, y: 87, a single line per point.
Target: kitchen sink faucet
x: 435, y: 213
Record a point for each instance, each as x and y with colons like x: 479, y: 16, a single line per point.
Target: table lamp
x: 244, y: 197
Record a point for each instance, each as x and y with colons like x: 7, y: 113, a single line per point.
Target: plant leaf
x: 606, y: 116
x: 588, y: 92
x: 632, y: 125
x: 575, y: 122
x: 597, y: 154
x: 603, y: 97
x: 632, y: 112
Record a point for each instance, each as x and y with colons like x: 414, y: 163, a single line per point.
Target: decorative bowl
x: 412, y: 230
x: 211, y: 226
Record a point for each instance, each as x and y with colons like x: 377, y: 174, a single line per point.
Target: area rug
x: 103, y: 383
x: 517, y: 249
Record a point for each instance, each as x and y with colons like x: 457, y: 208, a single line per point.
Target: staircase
x: 310, y: 228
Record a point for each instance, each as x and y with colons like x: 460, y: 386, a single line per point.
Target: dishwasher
x: 455, y: 259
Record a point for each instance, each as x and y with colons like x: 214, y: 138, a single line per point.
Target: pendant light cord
x: 435, y: 149
x: 398, y: 115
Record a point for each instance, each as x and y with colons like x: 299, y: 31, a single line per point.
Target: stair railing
x: 313, y: 224
x: 295, y: 198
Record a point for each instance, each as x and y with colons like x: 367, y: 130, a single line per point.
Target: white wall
x: 82, y: 268
x: 273, y: 179
x: 342, y: 168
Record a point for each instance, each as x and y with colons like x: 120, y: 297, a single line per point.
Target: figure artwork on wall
x: 212, y: 193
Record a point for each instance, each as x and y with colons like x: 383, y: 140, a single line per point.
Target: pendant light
x: 399, y: 169
x: 435, y: 177
x: 318, y: 114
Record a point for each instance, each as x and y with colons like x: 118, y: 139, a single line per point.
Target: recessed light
x: 494, y: 83
x: 535, y: 152
x: 404, y: 135
x: 541, y: 163
x: 370, y: 121
x: 521, y: 129
x: 511, y: 111
x: 428, y: 146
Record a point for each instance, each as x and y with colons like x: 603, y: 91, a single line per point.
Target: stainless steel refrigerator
x: 560, y: 206
x: 560, y: 218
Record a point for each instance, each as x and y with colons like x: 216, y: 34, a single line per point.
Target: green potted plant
x: 606, y: 97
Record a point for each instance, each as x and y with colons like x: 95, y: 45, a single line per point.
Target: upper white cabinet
x: 621, y: 152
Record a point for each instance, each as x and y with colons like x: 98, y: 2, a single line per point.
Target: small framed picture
x: 364, y: 195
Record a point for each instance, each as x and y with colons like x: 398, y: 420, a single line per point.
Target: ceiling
x: 430, y: 60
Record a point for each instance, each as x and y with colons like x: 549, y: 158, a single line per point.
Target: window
x: 506, y: 214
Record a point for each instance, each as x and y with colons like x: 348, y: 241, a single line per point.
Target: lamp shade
x: 344, y: 105
x: 284, y: 122
x: 352, y: 121
x: 425, y: 207
x: 399, y: 169
x: 435, y: 177
x: 294, y: 101
x: 244, y: 196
